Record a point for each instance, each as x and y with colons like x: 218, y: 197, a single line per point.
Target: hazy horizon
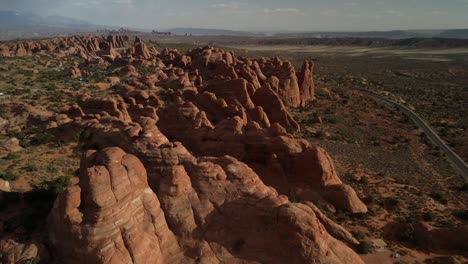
x: 257, y: 15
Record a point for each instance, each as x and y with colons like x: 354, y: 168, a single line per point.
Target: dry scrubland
x: 377, y: 151
x: 432, y: 81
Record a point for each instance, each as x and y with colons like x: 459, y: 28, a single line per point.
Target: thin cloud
x: 438, y: 13
x: 329, y: 12
x: 231, y: 5
x: 286, y: 11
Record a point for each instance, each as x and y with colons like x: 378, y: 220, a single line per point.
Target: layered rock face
x: 192, y: 162
x: 111, y: 216
x: 217, y: 211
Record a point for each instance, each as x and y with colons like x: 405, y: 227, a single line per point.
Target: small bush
x: 31, y: 167
x: 440, y: 197
x: 364, y: 247
x: 428, y: 216
x: 60, y: 184
x: 52, y: 169
x: 341, y: 216
x: 364, y: 180
x: 461, y: 214
x: 369, y: 200
x: 41, y: 138
x: 12, y: 156
x: 391, y: 203
x: 464, y: 187
x: 361, y: 216
x: 359, y: 235
x: 52, y: 188
x: 9, y: 176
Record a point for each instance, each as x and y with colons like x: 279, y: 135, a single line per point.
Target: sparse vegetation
x: 364, y: 247
x: 391, y: 203
x: 438, y: 196
x: 359, y: 235
x: 13, y: 156
x: 9, y: 176
x: 461, y: 214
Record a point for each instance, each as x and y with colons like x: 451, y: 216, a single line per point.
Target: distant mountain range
x: 27, y: 25
x: 11, y: 19
x: 211, y: 32
x: 394, y: 34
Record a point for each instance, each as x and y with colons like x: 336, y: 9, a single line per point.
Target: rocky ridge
x: 193, y: 162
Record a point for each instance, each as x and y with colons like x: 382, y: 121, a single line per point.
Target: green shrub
x: 359, y: 235
x: 361, y: 216
x: 52, y: 169
x: 41, y: 138
x: 31, y: 167
x: 364, y: 180
x: 464, y: 187
x: 364, y: 247
x: 9, y: 176
x: 59, y: 184
x: 391, y: 203
x: 461, y: 214
x: 428, y: 216
x: 52, y: 188
x: 407, y: 235
x: 12, y: 156
x: 440, y: 197
x: 341, y: 216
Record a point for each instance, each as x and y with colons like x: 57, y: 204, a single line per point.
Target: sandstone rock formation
x: 222, y: 212
x: 190, y: 160
x: 114, y: 201
x: 306, y: 82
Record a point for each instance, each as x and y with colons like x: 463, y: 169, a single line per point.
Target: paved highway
x: 456, y: 161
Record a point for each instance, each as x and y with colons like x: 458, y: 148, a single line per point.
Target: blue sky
x: 323, y: 15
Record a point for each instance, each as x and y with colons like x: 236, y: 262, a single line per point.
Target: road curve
x: 456, y: 161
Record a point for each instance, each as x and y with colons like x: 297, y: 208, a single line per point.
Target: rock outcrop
x: 216, y: 208
x: 190, y: 159
x: 112, y: 216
